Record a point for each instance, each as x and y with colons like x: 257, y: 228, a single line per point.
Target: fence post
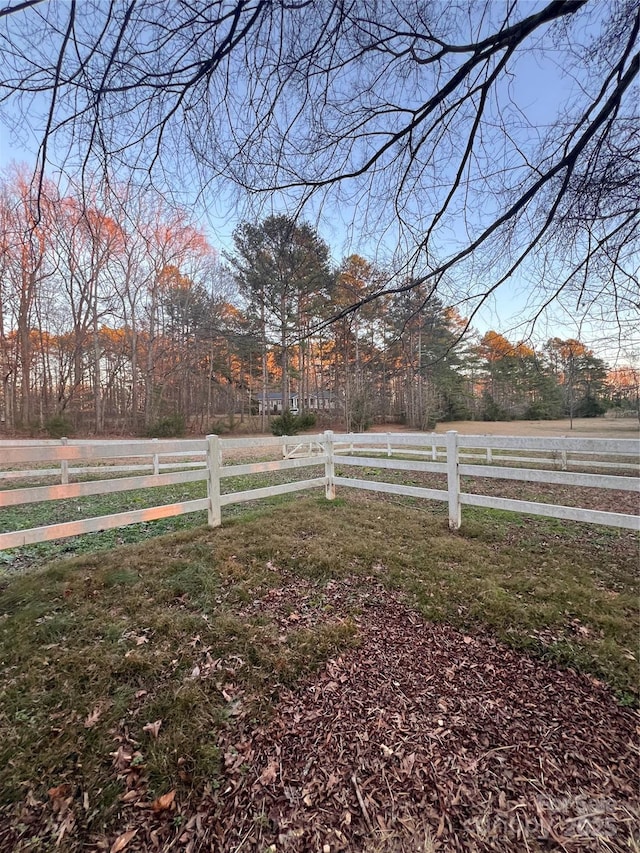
x: 489, y: 456
x: 64, y: 465
x: 156, y: 461
x: 389, y: 444
x: 434, y: 451
x: 213, y: 480
x: 285, y: 453
x: 453, y: 480
x: 329, y: 466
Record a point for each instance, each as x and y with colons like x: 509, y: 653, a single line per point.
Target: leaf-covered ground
x: 425, y: 738
x: 326, y: 676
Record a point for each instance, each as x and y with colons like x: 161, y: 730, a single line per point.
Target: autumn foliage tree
x: 516, y: 382
x: 99, y: 316
x: 581, y: 376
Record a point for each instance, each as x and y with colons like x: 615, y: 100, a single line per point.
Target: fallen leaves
x: 122, y: 757
x: 419, y: 738
x: 131, y: 796
x: 164, y: 802
x: 426, y: 738
x: 93, y: 716
x: 60, y: 792
x: 122, y: 841
x: 153, y: 728
x: 63, y: 816
x: 269, y: 774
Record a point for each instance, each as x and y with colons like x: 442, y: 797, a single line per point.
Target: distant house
x: 321, y: 401
x: 274, y: 402
x: 315, y: 402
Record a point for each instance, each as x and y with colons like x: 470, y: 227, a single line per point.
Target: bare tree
x: 412, y: 119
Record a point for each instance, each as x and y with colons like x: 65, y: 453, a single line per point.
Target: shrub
x: 590, y: 407
x: 429, y: 422
x: 284, y: 424
x: 58, y: 426
x: 537, y: 411
x: 455, y: 409
x: 171, y: 426
x: 290, y: 424
x: 306, y: 420
x: 218, y: 427
x: 491, y: 411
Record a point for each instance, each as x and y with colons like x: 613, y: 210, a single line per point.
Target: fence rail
x: 204, y: 459
x: 558, y: 453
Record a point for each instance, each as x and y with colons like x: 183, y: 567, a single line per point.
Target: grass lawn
x: 140, y: 656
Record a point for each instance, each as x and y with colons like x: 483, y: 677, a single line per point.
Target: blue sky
x: 538, y: 86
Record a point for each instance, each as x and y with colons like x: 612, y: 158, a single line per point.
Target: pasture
x: 582, y: 427
x: 322, y: 675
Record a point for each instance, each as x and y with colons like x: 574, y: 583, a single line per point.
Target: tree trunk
x: 149, y: 378
x: 265, y: 376
x: 285, y: 354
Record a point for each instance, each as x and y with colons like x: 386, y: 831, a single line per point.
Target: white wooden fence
x: 184, y: 461
x: 499, y: 454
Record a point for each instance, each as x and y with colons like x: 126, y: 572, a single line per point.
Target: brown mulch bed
x: 427, y: 739
x: 420, y: 738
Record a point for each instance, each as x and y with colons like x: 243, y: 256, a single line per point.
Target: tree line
x: 117, y: 315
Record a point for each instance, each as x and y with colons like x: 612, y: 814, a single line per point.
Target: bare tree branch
x: 407, y: 119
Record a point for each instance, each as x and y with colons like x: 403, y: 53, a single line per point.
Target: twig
x: 524, y: 834
x: 365, y: 813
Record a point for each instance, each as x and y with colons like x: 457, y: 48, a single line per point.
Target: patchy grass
x: 44, y: 513
x: 102, y: 645
x: 95, y: 648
